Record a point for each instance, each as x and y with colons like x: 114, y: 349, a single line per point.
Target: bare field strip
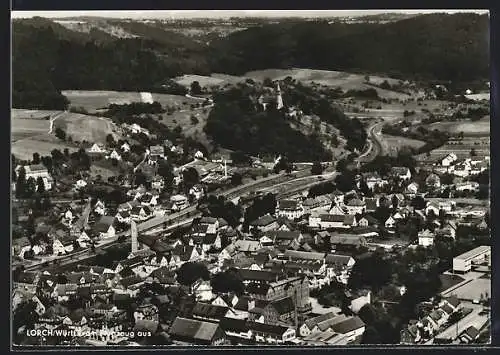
x: 94, y: 100
x: 24, y: 149
x: 481, y: 127
x: 399, y: 142
x: 344, y: 80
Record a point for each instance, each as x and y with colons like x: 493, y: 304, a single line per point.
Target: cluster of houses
x: 306, y: 244
x: 462, y: 167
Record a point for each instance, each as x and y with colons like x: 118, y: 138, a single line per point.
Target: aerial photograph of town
x: 250, y: 178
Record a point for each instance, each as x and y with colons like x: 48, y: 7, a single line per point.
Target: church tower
x: 279, y: 99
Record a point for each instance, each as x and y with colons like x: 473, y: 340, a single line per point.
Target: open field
x: 473, y: 289
x: 94, y: 100
x: 84, y: 127
x: 344, y: 80
x: 395, y: 142
x: 214, y: 79
x: 470, y: 128
x: 32, y: 135
x: 448, y: 281
x: 479, y: 97
x: 26, y: 128
x: 183, y: 119
x: 24, y: 148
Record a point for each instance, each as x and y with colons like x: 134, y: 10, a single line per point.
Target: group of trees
x: 259, y: 207
x: 219, y: 207
x: 312, y: 101
x: 48, y: 58
x: 441, y: 42
x: 237, y: 124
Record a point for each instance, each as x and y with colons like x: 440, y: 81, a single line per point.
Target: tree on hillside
x: 190, y: 272
x: 418, y: 203
x: 236, y: 179
x: 190, y: 177
x: 110, y: 140
x: 60, y: 133
x: 228, y: 281
x: 317, y: 168
x: 345, y: 181
x: 195, y: 88
x: 40, y: 185
x: 36, y: 158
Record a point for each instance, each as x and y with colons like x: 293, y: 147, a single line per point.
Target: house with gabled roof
x: 291, y: 209
x: 355, y: 206
x: 330, y: 221
x: 426, y: 238
x: 265, y: 223
x: 196, y: 332
x: 402, y: 173
x: 104, y: 227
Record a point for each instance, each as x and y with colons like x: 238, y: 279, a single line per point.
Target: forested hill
x: 47, y: 58
x: 435, y: 46
x: 127, y: 55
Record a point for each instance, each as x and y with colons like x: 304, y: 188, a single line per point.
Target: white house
x: 104, y: 227
x: 448, y: 160
x: 291, y: 209
x: 115, y: 155
x: 198, y: 155
x: 426, y: 238
x: 180, y: 201
x: 125, y: 147
x: 355, y: 206
x: 390, y: 222
x: 97, y: 148
x: 402, y: 173
x: 100, y: 208
x: 80, y: 184
x: 35, y: 171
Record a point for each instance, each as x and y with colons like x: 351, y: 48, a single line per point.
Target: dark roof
x: 193, y: 329
x: 233, y: 325
x: 258, y: 275
x: 263, y: 221
x: 164, y: 275
x: 472, y: 332
x: 304, y: 255
x: 348, y: 325
x: 104, y: 223
x: 332, y: 217
x: 337, y: 259
x: 288, y: 204
x: 453, y: 300
x: 347, y: 239
x: 208, y: 220
x: 27, y: 277
x: 131, y: 280
x: 267, y: 328
x: 356, y: 202
x: 311, y: 322
x: 255, y: 288
x: 371, y: 204
x: 447, y: 309
x: 283, y: 235
x: 209, y: 310
x: 283, y: 306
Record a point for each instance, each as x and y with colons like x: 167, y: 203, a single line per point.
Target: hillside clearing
x: 84, y: 127
x: 92, y: 100
x: 473, y: 128
x: 344, y: 80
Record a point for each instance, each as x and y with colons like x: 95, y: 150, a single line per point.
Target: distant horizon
x: 221, y: 14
